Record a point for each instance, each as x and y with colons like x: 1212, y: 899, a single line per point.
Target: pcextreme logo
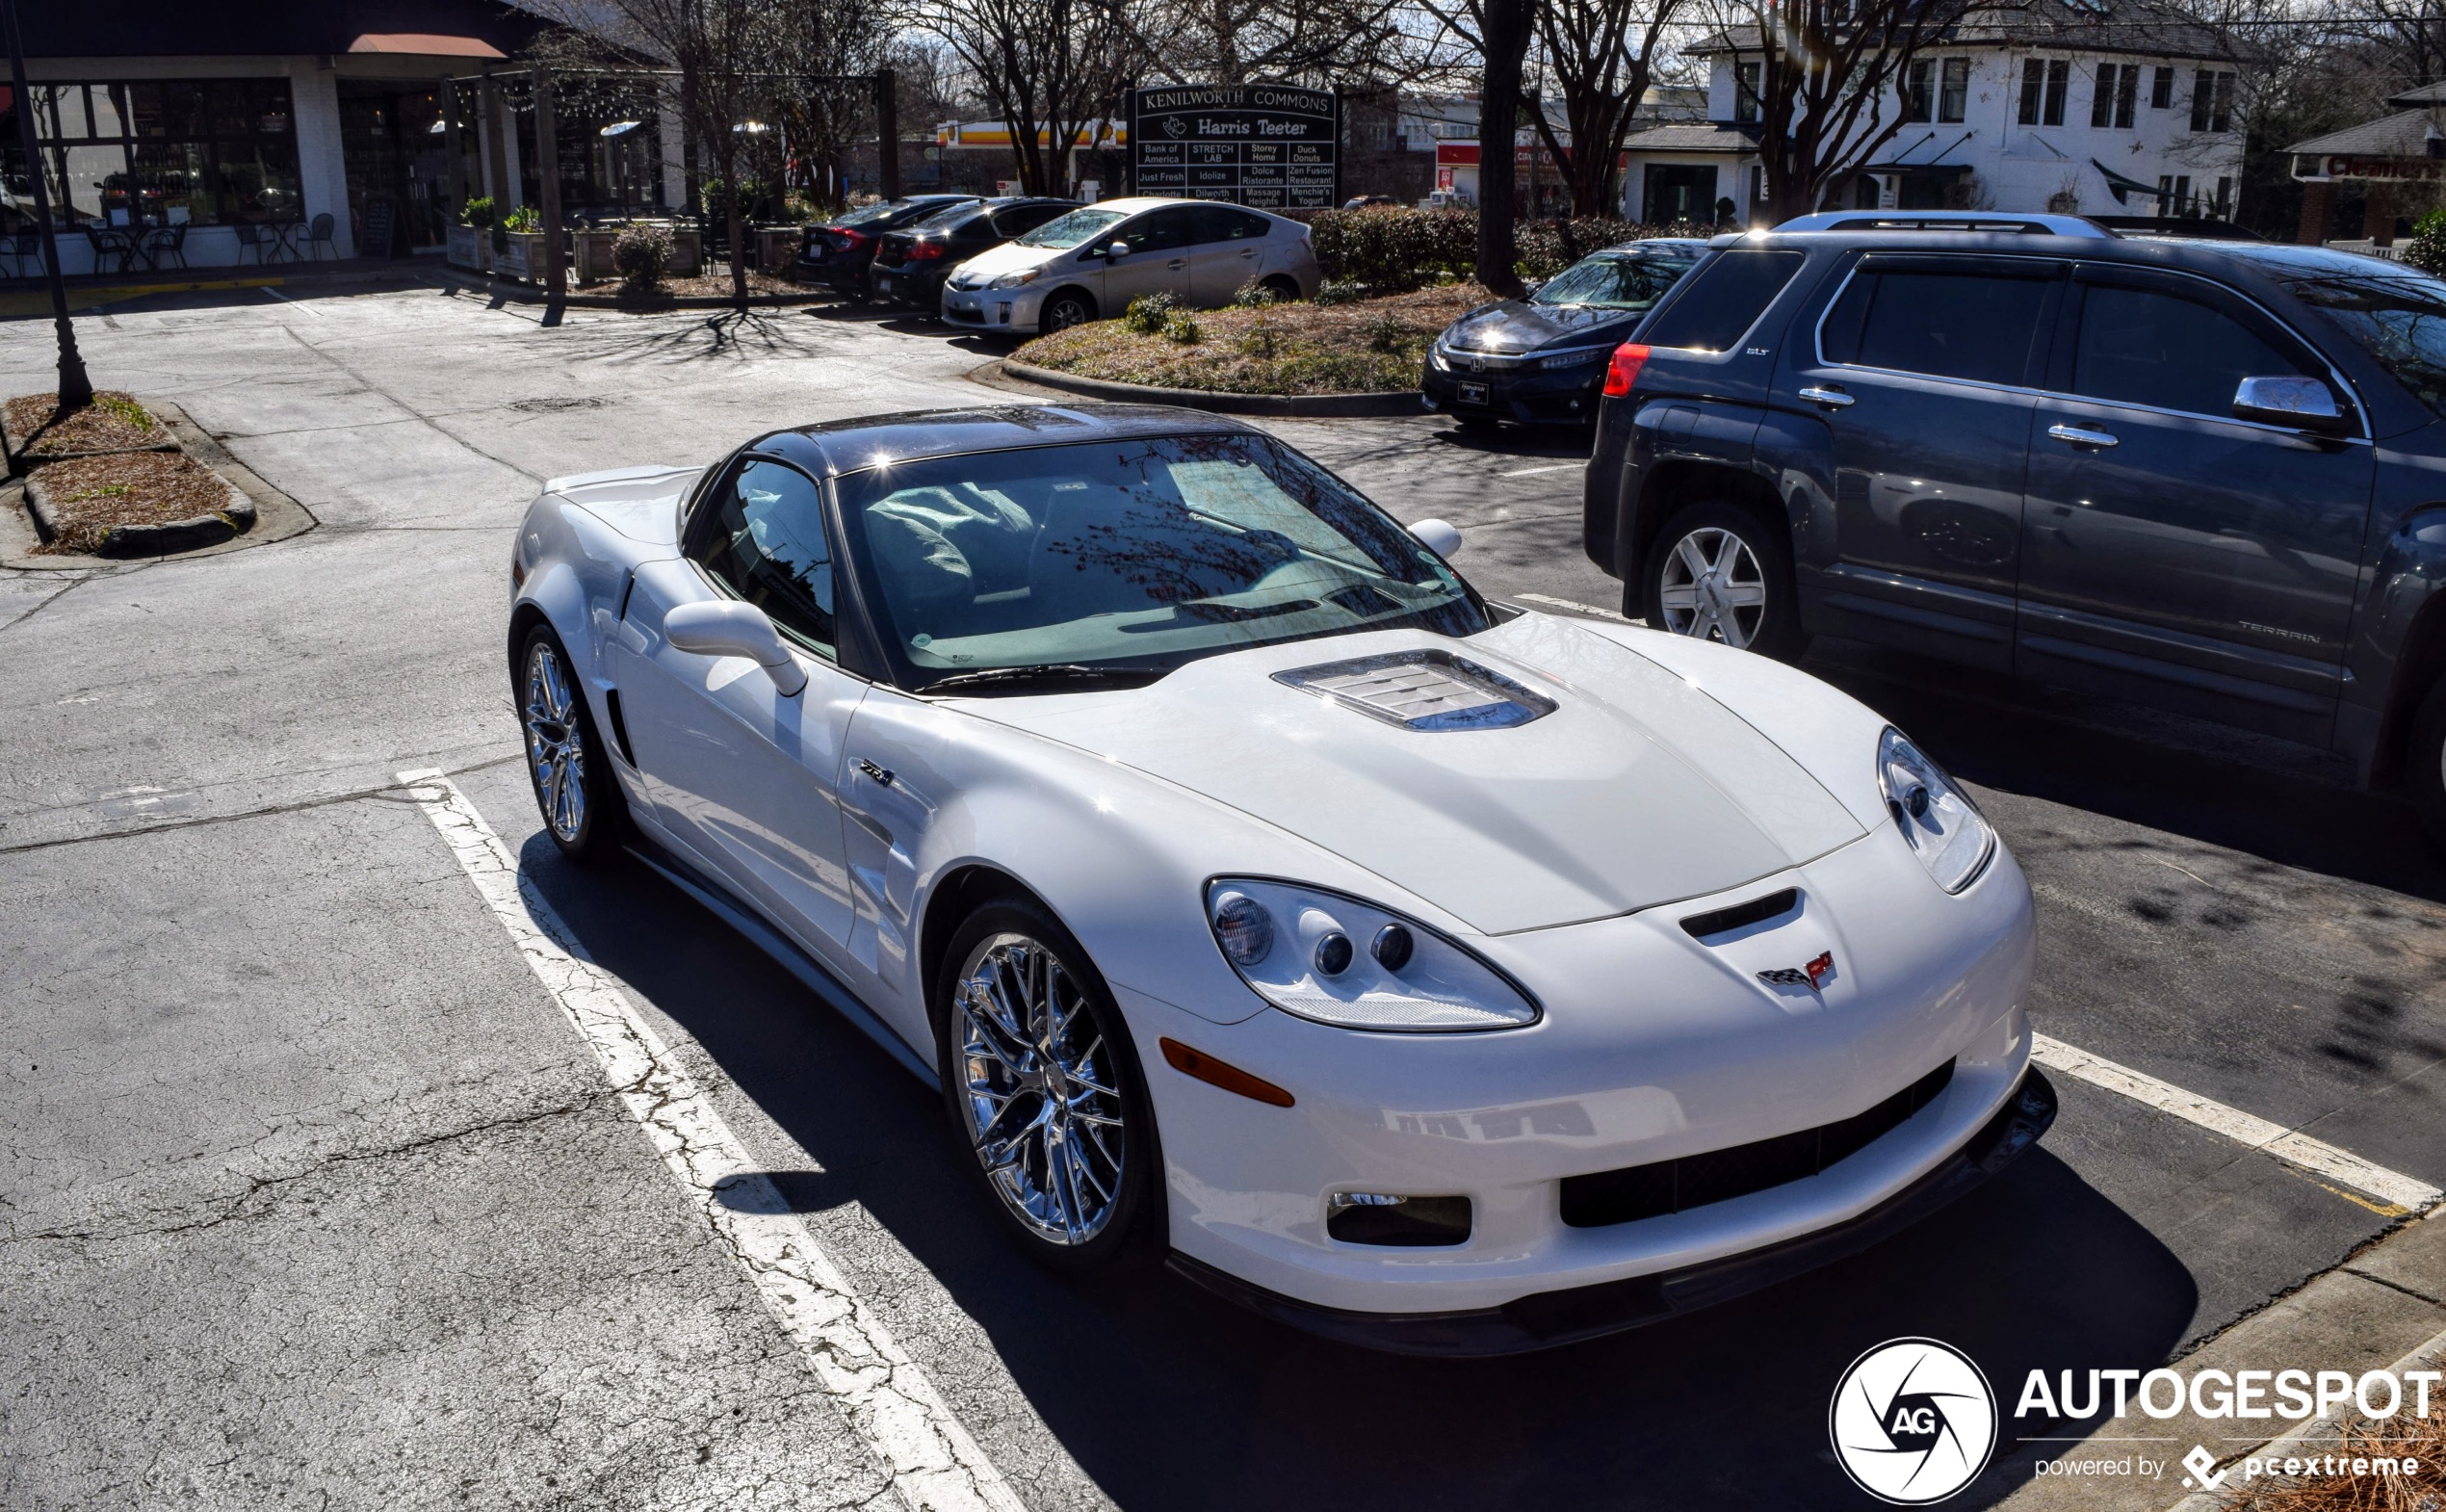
x: 1913, y: 1421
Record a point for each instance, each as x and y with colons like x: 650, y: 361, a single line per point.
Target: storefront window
x: 158, y: 152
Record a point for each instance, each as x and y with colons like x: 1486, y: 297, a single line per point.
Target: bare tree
x: 1601, y: 79
x: 1824, y: 78
x: 1498, y: 32
x: 827, y: 51
x: 1049, y: 68
x: 1320, y: 41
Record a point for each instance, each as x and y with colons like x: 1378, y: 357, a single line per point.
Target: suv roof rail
x: 1946, y: 220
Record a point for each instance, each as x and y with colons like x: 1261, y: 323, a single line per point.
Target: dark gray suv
x: 2208, y: 476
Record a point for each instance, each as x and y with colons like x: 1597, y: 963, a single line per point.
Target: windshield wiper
x: 1071, y: 672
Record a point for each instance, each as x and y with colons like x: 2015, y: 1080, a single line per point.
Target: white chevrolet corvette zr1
x: 1412, y: 968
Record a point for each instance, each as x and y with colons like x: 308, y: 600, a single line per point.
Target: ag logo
x: 1913, y: 1421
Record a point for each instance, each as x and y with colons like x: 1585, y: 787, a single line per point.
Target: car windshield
x: 1130, y: 556
x: 2399, y: 319
x: 1070, y: 229
x: 1615, y: 280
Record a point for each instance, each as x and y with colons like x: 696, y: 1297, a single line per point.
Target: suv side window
x: 764, y: 540
x: 1976, y: 326
x: 1159, y: 232
x: 2155, y: 346
x: 1723, y: 300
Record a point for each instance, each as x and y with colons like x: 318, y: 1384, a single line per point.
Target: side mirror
x: 1439, y: 537
x: 727, y: 627
x: 2300, y: 403
x: 1114, y: 251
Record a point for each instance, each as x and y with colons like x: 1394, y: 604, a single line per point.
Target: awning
x: 427, y: 45
x: 2118, y: 186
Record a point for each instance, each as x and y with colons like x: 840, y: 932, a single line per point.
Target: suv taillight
x: 1623, y: 371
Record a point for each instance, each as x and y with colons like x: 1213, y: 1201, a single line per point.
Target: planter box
x: 522, y: 258
x: 776, y: 249
x: 470, y: 247
x: 688, y: 251
x: 591, y: 251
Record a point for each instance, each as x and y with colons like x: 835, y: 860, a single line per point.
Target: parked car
x: 1420, y: 970
x: 1092, y: 262
x: 1542, y: 361
x: 1365, y: 201
x: 838, y: 252
x: 910, y: 264
x: 2202, y: 475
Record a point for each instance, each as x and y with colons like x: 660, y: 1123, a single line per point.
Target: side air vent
x: 1423, y: 690
x: 1758, y: 910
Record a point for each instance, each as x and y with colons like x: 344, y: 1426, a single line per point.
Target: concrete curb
x: 1337, y: 406
x: 271, y: 515
x: 12, y: 447
x: 2318, y: 1431
x: 519, y: 293
x: 191, y: 533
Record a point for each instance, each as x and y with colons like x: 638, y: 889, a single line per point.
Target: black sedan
x: 1542, y: 361
x: 837, y: 252
x: 911, y: 264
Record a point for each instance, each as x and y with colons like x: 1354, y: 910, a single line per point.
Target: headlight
x: 1339, y: 961
x: 1435, y: 355
x: 1012, y: 280
x: 1944, y: 829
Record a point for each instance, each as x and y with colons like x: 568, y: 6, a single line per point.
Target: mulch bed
x: 91, y: 495
x: 113, y: 422
x: 712, y: 285
x: 1368, y: 347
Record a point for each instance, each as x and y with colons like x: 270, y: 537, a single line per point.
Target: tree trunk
x: 1507, y: 39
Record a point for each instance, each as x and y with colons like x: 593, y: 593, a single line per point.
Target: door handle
x: 1178, y: 262
x: 1831, y: 398
x: 2080, y: 437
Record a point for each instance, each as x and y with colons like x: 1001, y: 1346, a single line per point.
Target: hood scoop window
x: 1423, y: 690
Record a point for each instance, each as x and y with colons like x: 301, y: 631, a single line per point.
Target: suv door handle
x: 1178, y: 262
x: 2080, y: 437
x: 1831, y: 398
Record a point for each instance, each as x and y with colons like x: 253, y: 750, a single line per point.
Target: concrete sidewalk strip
x: 2406, y: 1194
x: 933, y: 1464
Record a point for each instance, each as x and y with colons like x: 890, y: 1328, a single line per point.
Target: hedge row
x: 1391, y: 249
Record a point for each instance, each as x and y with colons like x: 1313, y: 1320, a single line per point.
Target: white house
x: 2097, y: 107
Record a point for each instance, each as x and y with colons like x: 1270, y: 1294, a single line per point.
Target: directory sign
x: 1274, y: 146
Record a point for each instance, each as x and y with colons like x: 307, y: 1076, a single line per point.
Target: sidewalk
x: 2384, y: 1303
x: 32, y: 297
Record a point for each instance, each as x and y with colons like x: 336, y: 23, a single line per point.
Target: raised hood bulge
x: 1635, y: 789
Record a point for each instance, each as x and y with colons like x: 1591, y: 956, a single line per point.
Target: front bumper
x: 1545, y: 1319
x: 992, y: 309
x: 1524, y: 396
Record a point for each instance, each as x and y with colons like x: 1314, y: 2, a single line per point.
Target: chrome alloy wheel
x: 1040, y: 1102
x: 556, y: 748
x: 1713, y: 587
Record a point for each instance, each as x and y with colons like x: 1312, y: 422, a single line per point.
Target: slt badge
x: 1809, y: 976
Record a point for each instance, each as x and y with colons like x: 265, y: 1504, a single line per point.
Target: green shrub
x: 2427, y: 250
x: 477, y: 212
x: 1182, y: 327
x: 1255, y: 296
x: 1341, y: 291
x: 1385, y: 333
x: 1148, y: 312
x: 1393, y: 249
x: 642, y: 253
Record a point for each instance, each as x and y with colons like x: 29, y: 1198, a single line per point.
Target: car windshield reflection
x: 1614, y: 280
x: 1132, y: 555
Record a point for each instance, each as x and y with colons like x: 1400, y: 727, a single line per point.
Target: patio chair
x: 263, y: 239
x: 112, y: 244
x: 22, y: 248
x: 318, y: 237
x: 165, y: 241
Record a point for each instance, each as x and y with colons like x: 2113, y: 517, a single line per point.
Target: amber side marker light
x: 1623, y: 371
x: 1229, y: 1078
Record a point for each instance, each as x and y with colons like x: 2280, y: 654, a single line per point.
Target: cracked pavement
x: 310, y: 1195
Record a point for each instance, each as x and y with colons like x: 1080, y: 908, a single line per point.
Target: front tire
x: 1723, y: 573
x: 2426, y: 767
x: 572, y: 783
x: 1041, y: 1080
x: 1064, y: 309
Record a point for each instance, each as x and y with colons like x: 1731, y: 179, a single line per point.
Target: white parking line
x: 1531, y: 472
x: 1573, y: 605
x: 889, y: 1402
x: 2297, y: 1149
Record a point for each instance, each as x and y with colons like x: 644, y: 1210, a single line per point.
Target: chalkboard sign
x: 381, y: 226
x: 1272, y: 145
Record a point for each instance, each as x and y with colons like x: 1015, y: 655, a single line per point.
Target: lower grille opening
x: 1650, y: 1191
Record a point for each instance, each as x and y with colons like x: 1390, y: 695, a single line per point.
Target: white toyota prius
x: 1411, y: 966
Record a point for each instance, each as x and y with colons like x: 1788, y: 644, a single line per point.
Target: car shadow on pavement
x: 1169, y: 1398
x: 1572, y: 444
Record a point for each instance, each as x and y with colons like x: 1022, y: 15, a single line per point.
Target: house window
x: 2173, y: 195
x: 2118, y: 89
x: 1915, y: 77
x: 2161, y: 89
x: 2224, y: 201
x: 1953, y: 100
x: 2212, y: 100
x: 1748, y: 82
x: 166, y: 152
x: 2043, y: 85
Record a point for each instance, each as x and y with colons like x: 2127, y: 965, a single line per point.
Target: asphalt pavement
x: 312, y: 1196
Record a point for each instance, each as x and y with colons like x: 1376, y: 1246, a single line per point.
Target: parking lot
x: 313, y: 1194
